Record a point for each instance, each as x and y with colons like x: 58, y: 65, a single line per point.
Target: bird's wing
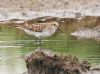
x: 37, y: 27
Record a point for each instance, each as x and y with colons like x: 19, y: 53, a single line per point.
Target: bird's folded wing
x: 37, y: 27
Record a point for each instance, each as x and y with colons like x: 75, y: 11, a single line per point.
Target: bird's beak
x: 58, y: 28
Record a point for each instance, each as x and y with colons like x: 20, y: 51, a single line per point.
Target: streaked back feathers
x: 39, y: 27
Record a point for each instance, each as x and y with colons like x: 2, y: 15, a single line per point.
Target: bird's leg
x: 40, y: 42
x: 36, y: 41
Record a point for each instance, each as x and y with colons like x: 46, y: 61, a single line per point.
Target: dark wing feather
x: 37, y: 27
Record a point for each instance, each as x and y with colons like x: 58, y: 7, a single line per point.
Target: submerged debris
x: 40, y: 63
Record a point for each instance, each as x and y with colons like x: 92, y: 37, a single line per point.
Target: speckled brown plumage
x: 38, y: 27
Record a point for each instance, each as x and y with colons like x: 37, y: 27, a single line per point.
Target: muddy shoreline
x: 30, y: 9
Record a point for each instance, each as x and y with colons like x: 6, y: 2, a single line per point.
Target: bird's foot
x: 39, y: 43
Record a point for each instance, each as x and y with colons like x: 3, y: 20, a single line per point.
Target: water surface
x: 15, y: 44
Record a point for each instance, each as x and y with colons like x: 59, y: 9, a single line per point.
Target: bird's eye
x: 54, y: 24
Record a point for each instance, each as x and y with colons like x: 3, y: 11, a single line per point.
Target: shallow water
x: 15, y: 44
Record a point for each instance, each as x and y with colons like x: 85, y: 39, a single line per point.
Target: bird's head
x: 56, y: 24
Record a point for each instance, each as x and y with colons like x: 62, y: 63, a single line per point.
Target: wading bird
x: 40, y: 30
